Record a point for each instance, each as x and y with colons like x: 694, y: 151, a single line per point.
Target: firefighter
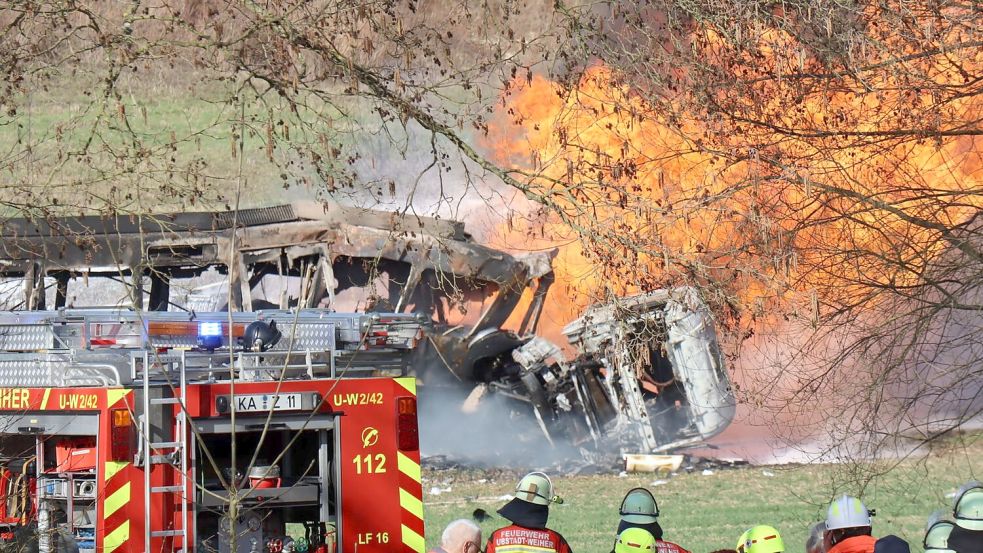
x: 460, y: 536
x: 814, y: 544
x: 848, y: 527
x: 937, y: 534
x: 528, y: 513
x: 761, y: 539
x: 967, y: 534
x: 635, y: 540
x: 741, y: 540
x: 640, y: 510
x: 891, y: 544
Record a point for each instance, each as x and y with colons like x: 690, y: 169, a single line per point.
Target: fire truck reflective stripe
x: 113, y: 467
x: 521, y: 548
x: 115, y: 394
x: 411, y: 503
x: 413, y: 540
x: 408, y: 383
x: 116, y: 538
x: 116, y: 495
x: 44, y: 398
x: 116, y: 500
x: 408, y: 466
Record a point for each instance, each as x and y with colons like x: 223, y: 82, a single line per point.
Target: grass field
x: 178, y: 133
x: 707, y: 512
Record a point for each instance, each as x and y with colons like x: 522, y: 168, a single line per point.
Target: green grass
x: 163, y: 140
x: 179, y: 123
x: 705, y: 513
x: 66, y: 113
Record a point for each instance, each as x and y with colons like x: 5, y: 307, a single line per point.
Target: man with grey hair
x: 815, y: 542
x: 460, y: 536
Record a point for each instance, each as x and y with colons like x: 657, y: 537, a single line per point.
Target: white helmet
x: 937, y: 534
x: 968, y: 508
x: 847, y: 512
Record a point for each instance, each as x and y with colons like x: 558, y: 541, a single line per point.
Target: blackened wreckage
x: 638, y: 374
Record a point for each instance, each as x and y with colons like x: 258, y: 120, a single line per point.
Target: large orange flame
x: 638, y: 198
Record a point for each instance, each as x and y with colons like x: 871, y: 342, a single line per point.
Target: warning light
x: 208, y: 329
x: 121, y: 418
x: 406, y: 406
x: 407, y: 432
x: 121, y: 437
x: 210, y: 334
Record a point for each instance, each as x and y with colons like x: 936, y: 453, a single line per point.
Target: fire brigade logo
x: 370, y: 436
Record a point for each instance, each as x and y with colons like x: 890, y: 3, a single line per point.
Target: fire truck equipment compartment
x: 75, y: 454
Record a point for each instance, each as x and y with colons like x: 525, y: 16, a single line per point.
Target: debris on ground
x: 695, y: 463
x: 589, y: 463
x: 646, y: 462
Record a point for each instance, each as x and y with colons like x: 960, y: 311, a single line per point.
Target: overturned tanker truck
x: 643, y: 373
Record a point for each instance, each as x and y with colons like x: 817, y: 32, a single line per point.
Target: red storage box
x: 75, y: 454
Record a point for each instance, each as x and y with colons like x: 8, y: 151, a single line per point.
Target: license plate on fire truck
x: 267, y: 402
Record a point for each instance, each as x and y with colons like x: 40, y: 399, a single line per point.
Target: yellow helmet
x: 635, y: 540
x: 763, y: 539
x: 741, y: 540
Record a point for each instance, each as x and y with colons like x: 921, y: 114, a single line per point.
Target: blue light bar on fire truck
x: 209, y: 329
x: 210, y: 334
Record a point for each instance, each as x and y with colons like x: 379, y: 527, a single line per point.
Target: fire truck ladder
x: 173, y: 453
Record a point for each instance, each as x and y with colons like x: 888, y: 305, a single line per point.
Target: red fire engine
x: 125, y: 431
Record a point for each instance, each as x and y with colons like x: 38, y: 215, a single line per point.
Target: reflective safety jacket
x: 669, y: 547
x: 856, y: 544
x: 663, y: 546
x: 963, y: 540
x: 517, y: 539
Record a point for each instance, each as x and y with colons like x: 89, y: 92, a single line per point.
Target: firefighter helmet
x: 741, y: 540
x: 639, y: 507
x: 763, y: 539
x: 536, y: 488
x: 968, y: 508
x: 847, y: 512
x: 635, y: 540
x: 937, y: 534
x: 260, y: 336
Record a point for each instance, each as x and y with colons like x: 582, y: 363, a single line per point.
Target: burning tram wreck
x: 638, y: 374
